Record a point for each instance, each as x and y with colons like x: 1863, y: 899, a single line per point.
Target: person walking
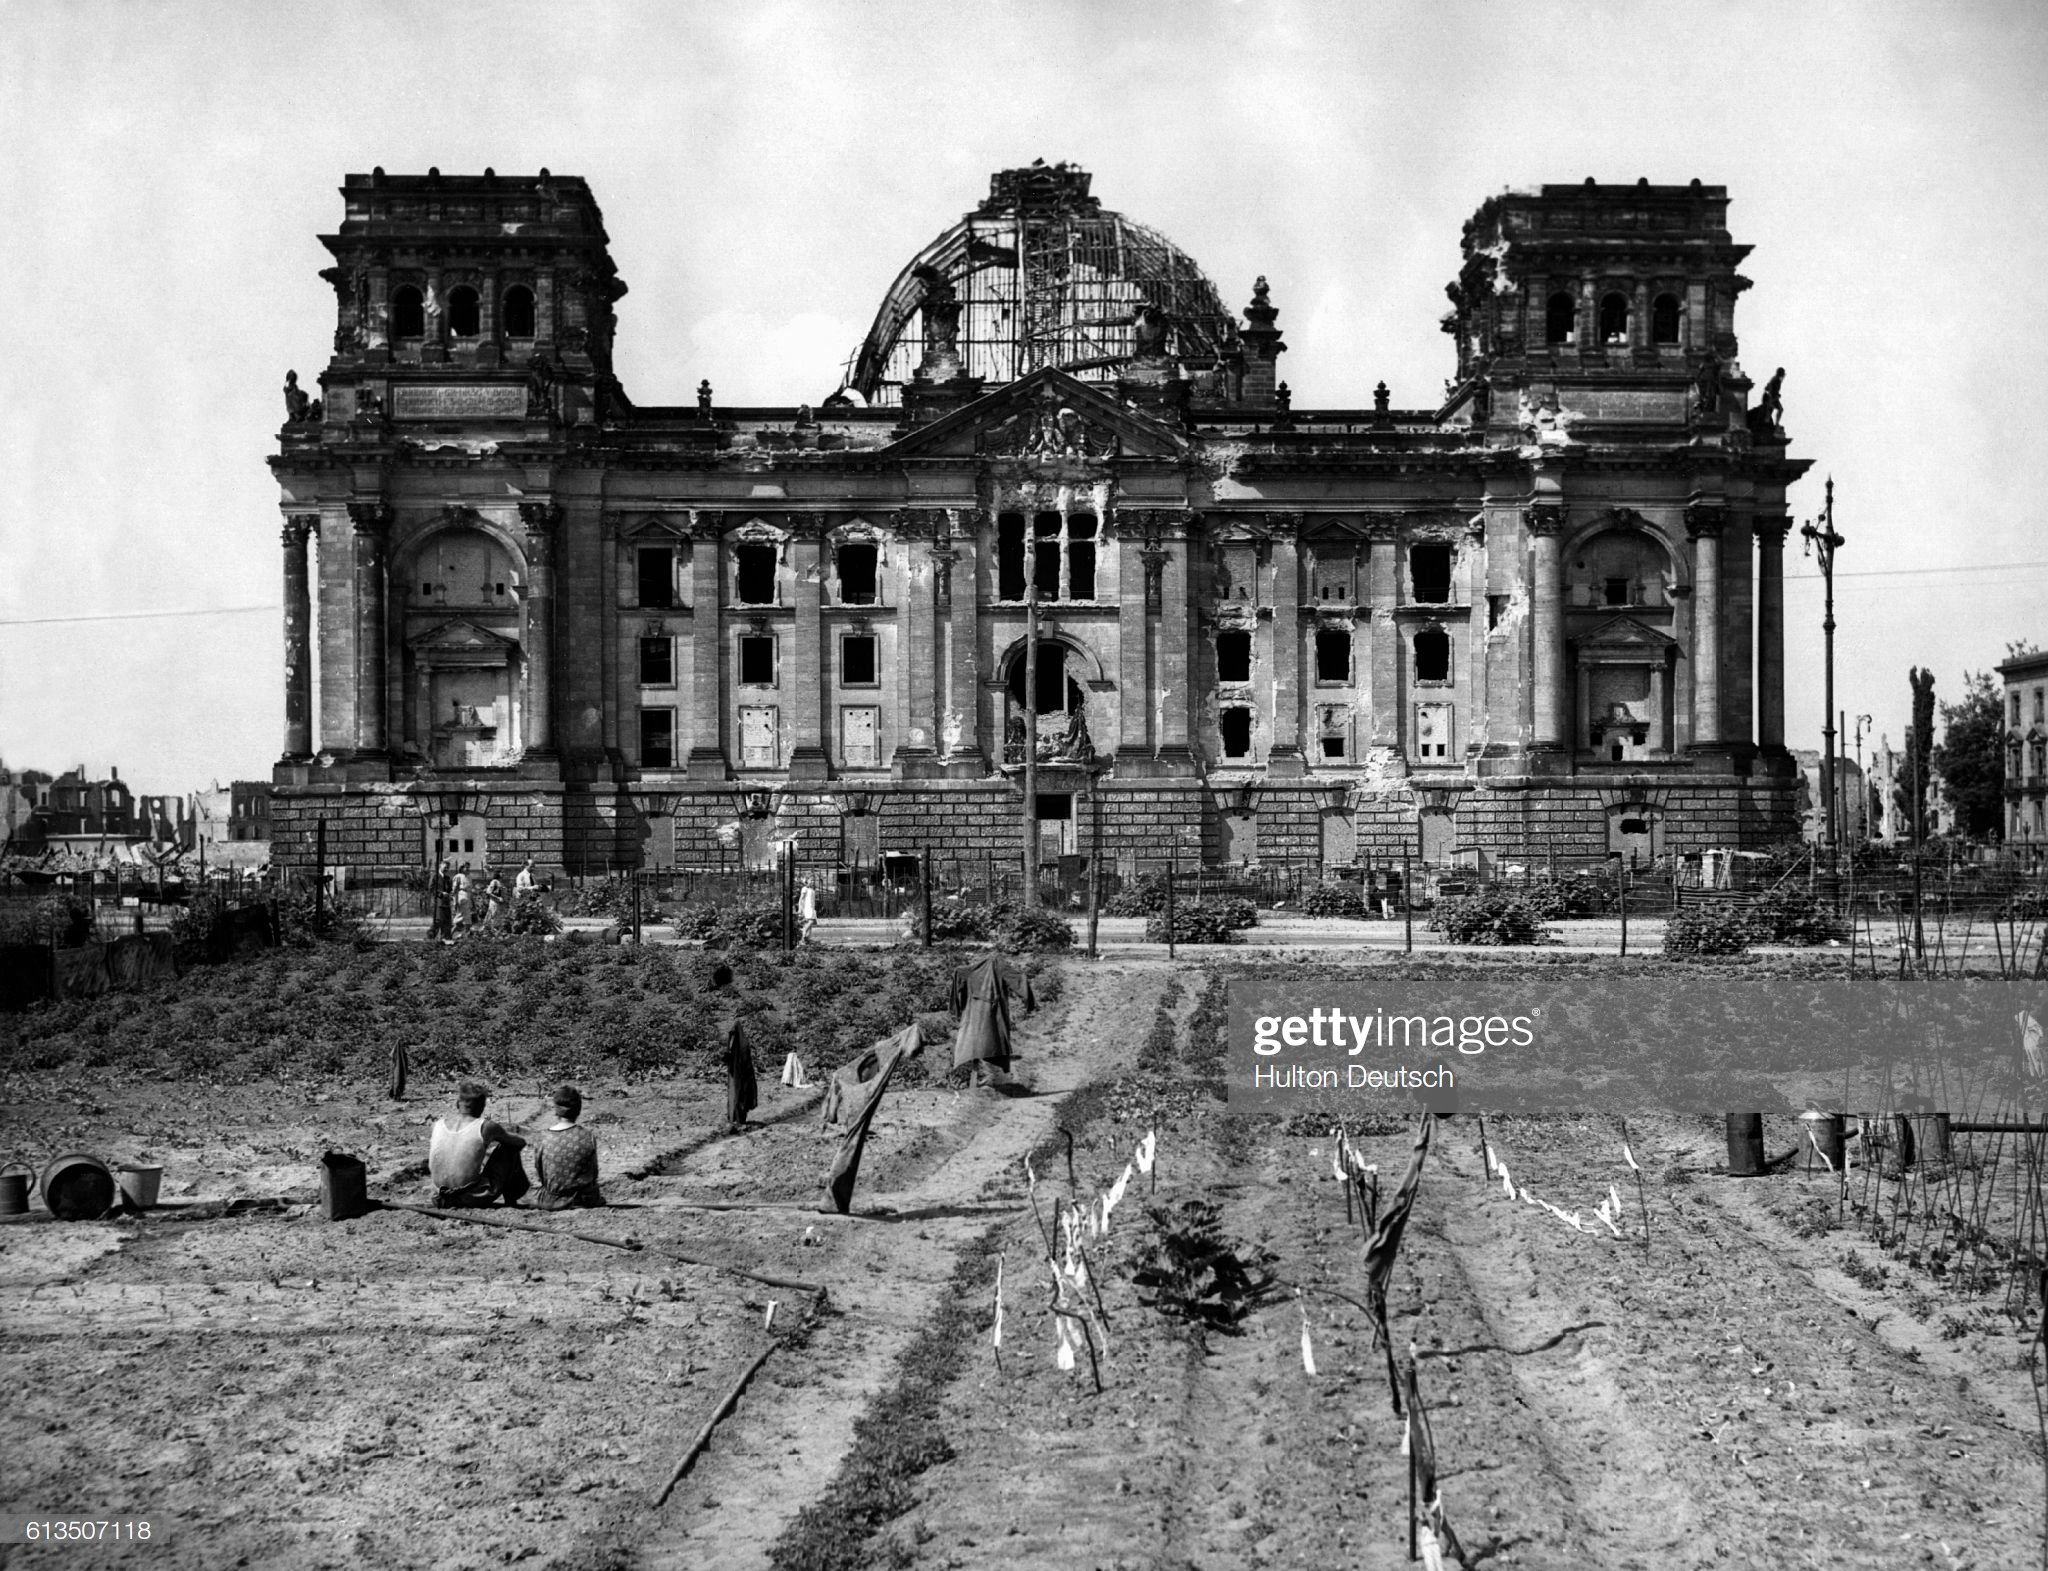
x: 461, y: 900
x: 442, y: 889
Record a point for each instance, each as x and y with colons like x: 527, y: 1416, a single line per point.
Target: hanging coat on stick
x: 846, y: 1165
x: 982, y: 997
x: 849, y: 1082
x: 1385, y: 1245
x: 742, y: 1093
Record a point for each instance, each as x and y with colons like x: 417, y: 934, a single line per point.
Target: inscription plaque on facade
x: 449, y: 403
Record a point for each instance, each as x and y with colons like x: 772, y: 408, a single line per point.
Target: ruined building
x: 526, y: 615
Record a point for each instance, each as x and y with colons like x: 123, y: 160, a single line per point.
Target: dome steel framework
x: 1043, y: 275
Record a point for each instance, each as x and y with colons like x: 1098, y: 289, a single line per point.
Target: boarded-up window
x: 1333, y: 731
x: 1340, y: 838
x: 658, y: 662
x: 657, y: 576
x: 857, y: 660
x: 757, y: 736
x: 1433, y: 733
x: 657, y: 739
x: 859, y: 745
x: 757, y: 660
x: 1234, y: 656
x: 660, y: 846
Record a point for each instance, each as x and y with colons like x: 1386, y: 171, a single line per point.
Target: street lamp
x: 1821, y: 543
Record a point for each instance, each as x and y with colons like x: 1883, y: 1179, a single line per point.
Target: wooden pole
x: 1621, y: 878
x: 1407, y: 904
x: 925, y: 865
x: 1094, y: 863
x: 1169, y: 906
x: 704, y: 1435
x: 1030, y: 896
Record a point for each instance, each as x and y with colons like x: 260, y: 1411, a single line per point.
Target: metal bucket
x: 1827, y: 1137
x: 1745, y: 1145
x: 15, y: 1188
x: 344, y: 1186
x: 140, y: 1185
x: 78, y: 1187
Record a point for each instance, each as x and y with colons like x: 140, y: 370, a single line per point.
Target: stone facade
x: 526, y: 616
x: 2025, y: 697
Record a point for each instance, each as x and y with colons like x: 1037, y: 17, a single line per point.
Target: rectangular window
x: 1433, y: 733
x: 1234, y: 657
x: 754, y: 574
x: 757, y: 660
x: 657, y: 739
x: 1235, y: 722
x: 1081, y: 558
x: 757, y: 736
x: 657, y: 574
x: 1617, y: 591
x: 2040, y: 704
x: 1333, y: 655
x: 658, y: 662
x: 856, y: 573
x: 859, y: 729
x: 1010, y: 556
x: 857, y: 660
x: 2015, y: 708
x: 1046, y: 556
x: 1496, y: 607
x: 1429, y: 568
x: 1334, y: 730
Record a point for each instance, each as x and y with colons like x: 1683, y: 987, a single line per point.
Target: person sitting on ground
x: 566, y: 1160
x: 474, y: 1160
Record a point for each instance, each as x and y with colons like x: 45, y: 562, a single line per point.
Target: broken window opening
x: 857, y: 573
x: 408, y: 313
x: 1335, y: 732
x: 1561, y: 319
x: 1234, y: 656
x: 757, y: 660
x: 1664, y: 320
x: 1496, y: 608
x: 1010, y: 556
x: 1055, y: 806
x: 518, y: 309
x: 1057, y: 693
x: 755, y: 578
x: 1429, y: 567
x: 1617, y: 590
x: 1614, y: 319
x: 857, y: 660
x: 656, y: 571
x: 1080, y: 557
x: 1432, y: 655
x: 657, y: 739
x: 1333, y: 655
x: 1235, y: 722
x: 465, y: 312
x: 657, y: 662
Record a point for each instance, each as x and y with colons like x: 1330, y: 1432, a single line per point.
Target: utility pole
x: 1030, y: 715
x: 1821, y: 543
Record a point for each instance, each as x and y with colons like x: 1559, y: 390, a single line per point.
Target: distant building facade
x: 1544, y: 614
x: 2025, y: 679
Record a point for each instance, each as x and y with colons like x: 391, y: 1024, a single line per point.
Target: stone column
x: 1140, y: 562
x: 959, y: 602
x: 707, y: 650
x: 298, y: 639
x: 540, y: 519
x: 1770, y: 631
x: 807, y: 758
x: 372, y: 521
x: 1550, y: 726
x: 1283, y: 755
x: 1703, y: 528
x: 924, y: 540
x: 1383, y: 570
x: 1175, y: 668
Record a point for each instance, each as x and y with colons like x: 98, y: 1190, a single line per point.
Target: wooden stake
x: 704, y: 1435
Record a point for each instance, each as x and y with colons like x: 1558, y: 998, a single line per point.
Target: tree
x: 1910, y: 797
x: 1971, y: 756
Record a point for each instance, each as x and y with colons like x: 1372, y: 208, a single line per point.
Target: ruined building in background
x: 526, y: 615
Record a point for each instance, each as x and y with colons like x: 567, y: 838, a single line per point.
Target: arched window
x: 519, y: 312
x: 1614, y: 319
x: 1561, y: 319
x: 1664, y: 320
x: 1432, y: 655
x: 464, y: 312
x: 408, y: 313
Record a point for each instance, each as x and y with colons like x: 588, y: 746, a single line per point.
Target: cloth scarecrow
x: 983, y: 995
x: 849, y: 1082
x: 742, y: 1093
x: 846, y: 1165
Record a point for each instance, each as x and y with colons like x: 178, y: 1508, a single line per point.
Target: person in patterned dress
x: 566, y: 1159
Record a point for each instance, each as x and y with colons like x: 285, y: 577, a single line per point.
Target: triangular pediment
x: 1624, y: 632
x: 1046, y: 419
x: 460, y: 637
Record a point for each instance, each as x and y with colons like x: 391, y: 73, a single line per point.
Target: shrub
x: 755, y: 924
x: 1792, y: 916
x: 1194, y: 1271
x: 63, y: 920
x: 955, y: 922
x: 1197, y: 922
x: 1144, y: 895
x: 1333, y: 900
x: 1496, y: 917
x: 1707, y: 930
x: 524, y: 919
x: 1032, y: 929
x: 1555, y: 899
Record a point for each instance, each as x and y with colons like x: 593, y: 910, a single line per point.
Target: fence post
x: 924, y: 864
x: 1094, y: 863
x: 319, y: 874
x: 1169, y: 907
x: 1621, y: 883
x: 1407, y: 904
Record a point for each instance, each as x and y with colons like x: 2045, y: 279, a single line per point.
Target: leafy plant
x: 1707, y: 930
x: 63, y: 920
x: 1196, y: 923
x: 1142, y: 896
x: 1338, y: 899
x: 1786, y: 915
x: 1027, y: 928
x: 1495, y: 917
x: 1193, y: 1271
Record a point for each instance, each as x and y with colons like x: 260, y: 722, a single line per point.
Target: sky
x: 765, y: 170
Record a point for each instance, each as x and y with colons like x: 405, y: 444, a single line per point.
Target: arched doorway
x: 1066, y: 729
